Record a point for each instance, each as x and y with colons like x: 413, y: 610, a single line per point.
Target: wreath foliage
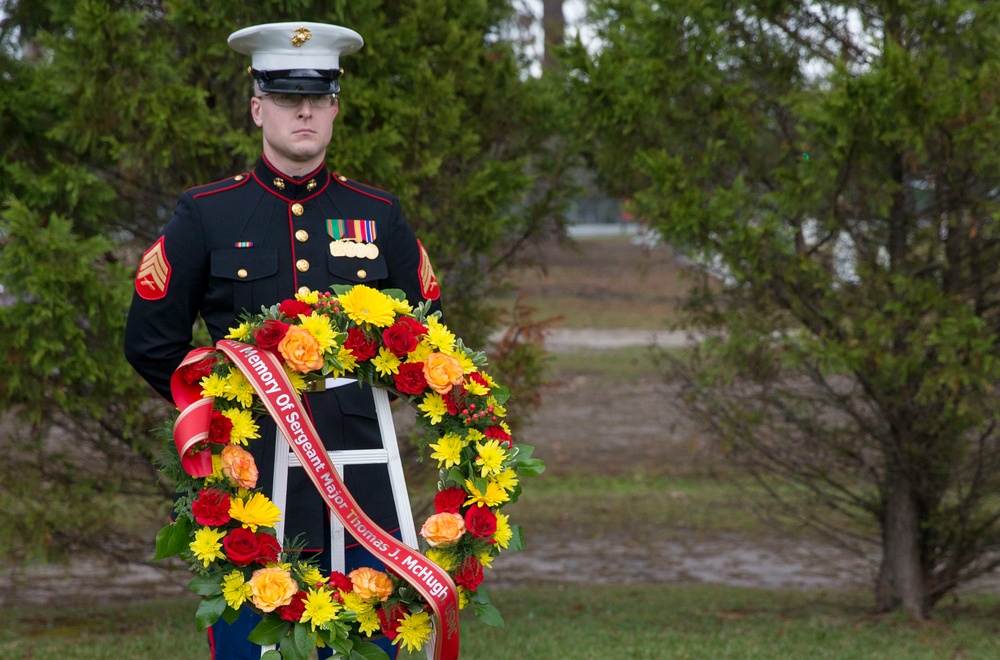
x: 224, y: 525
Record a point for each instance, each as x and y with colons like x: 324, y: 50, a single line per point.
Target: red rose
x: 449, y: 500
x: 415, y: 326
x: 293, y: 611
x: 292, y: 308
x: 268, y: 548
x: 240, y: 546
x: 363, y: 347
x: 269, y: 335
x: 340, y: 581
x: 497, y: 433
x: 481, y: 522
x: 389, y: 617
x: 220, y: 429
x: 410, y: 378
x: 211, y: 507
x: 399, y: 338
x: 469, y: 574
x: 192, y: 373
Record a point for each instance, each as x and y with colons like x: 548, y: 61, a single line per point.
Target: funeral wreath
x: 224, y: 526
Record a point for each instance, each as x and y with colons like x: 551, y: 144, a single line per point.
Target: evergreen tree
x: 837, y: 165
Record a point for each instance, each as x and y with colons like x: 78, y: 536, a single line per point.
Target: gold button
x: 279, y: 183
x: 362, y: 273
x: 242, y: 273
x: 297, y: 209
x: 302, y: 236
x: 342, y: 177
x: 238, y: 177
x: 303, y: 290
x: 311, y: 186
x: 302, y: 265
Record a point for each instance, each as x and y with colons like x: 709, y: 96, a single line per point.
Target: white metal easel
x: 284, y: 459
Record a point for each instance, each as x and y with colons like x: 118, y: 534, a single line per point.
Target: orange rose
x: 369, y: 583
x: 442, y: 372
x: 443, y: 529
x: 271, y: 588
x: 300, y: 350
x: 239, y: 467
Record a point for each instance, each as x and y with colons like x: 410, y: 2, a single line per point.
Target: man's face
x: 296, y: 135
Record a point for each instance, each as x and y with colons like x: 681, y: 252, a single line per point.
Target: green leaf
x: 172, y: 539
x: 209, y: 611
x: 524, y: 452
x: 300, y: 644
x: 206, y: 585
x: 531, y: 467
x: 517, y: 539
x: 489, y: 615
x: 269, y: 631
x: 230, y: 615
x: 271, y: 655
x: 367, y: 651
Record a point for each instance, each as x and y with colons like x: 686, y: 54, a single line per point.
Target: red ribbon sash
x: 263, y: 370
x: 192, y: 424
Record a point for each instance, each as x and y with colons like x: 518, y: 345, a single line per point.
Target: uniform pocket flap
x: 354, y: 269
x: 244, y: 264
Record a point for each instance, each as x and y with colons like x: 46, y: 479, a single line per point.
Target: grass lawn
x: 577, y: 622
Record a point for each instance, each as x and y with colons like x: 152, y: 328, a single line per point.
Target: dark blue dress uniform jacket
x: 253, y: 240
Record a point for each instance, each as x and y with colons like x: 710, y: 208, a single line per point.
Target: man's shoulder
x: 230, y: 183
x: 349, y: 186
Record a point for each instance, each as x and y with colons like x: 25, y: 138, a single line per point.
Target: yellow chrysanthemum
x: 235, y: 589
x: 443, y: 557
x: 485, y: 558
x: 433, y: 407
x: 320, y: 328
x: 420, y: 353
x: 297, y: 379
x: 401, y: 306
x: 207, y: 545
x: 319, y: 608
x: 489, y: 379
x: 386, y: 363
x: 310, y: 298
x: 507, y: 480
x: 356, y: 603
x: 448, y: 450
x: 494, y: 495
x: 463, y: 597
x: 498, y: 409
x: 473, y: 435
x: 258, y: 511
x: 363, y: 304
x: 413, y: 631
x: 212, y: 385
x: 240, y: 333
x: 476, y: 389
x: 310, y: 574
x: 439, y: 336
x: 347, y: 360
x: 239, y: 388
x: 490, y: 458
x: 368, y: 623
x: 468, y: 366
x: 244, y: 428
x: 504, y: 533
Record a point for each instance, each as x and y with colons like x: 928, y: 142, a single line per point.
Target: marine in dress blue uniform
x: 258, y: 237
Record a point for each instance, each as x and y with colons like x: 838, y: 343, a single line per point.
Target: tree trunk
x: 900, y: 578
x: 554, y: 28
